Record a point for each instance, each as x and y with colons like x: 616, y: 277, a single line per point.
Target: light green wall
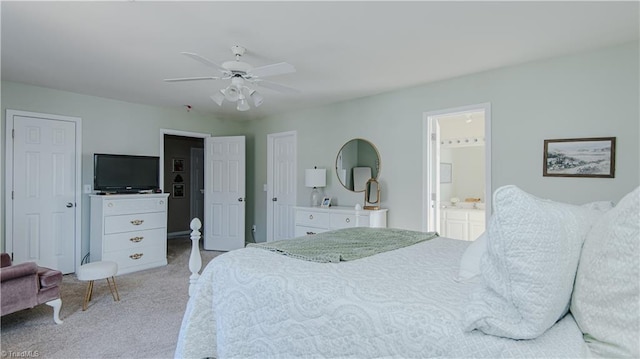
x: 586, y: 95
x: 108, y: 126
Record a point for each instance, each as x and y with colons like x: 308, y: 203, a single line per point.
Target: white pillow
x: 470, y: 262
x: 528, y: 270
x: 606, y: 299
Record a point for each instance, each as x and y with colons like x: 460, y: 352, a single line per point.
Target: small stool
x: 98, y: 270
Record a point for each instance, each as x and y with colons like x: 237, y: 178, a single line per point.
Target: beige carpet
x: 143, y: 324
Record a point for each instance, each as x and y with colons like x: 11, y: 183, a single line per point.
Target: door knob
x: 69, y: 205
x: 240, y: 199
x: 275, y: 199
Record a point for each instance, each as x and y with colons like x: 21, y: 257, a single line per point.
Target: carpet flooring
x: 143, y: 324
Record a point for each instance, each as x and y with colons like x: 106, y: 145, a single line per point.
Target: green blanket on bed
x: 345, y: 244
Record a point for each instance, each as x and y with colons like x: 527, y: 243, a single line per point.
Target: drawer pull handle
x: 310, y: 233
x: 136, y: 239
x: 136, y: 256
x: 311, y: 216
x: 137, y: 222
x: 348, y: 220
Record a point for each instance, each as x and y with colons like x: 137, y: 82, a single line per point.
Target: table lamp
x: 316, y: 178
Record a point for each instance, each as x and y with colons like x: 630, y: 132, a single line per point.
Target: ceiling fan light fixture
x: 241, y: 73
x: 231, y: 93
x: 243, y: 105
x: 256, y: 98
x: 218, y: 97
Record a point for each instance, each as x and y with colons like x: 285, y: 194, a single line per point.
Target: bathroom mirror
x: 357, y: 162
x: 372, y: 194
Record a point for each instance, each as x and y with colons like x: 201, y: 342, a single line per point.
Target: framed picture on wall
x: 580, y: 157
x: 178, y: 190
x: 445, y: 172
x: 178, y: 165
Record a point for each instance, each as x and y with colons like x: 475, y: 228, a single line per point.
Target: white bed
x: 404, y: 303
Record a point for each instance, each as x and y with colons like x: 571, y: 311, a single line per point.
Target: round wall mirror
x: 357, y: 162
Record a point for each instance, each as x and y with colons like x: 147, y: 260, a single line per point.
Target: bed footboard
x: 195, y: 260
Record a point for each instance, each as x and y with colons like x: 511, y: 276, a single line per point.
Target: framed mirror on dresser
x: 357, y: 162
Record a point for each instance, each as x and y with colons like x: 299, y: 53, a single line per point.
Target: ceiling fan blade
x: 205, y: 61
x: 192, y: 78
x: 276, y: 86
x: 280, y: 68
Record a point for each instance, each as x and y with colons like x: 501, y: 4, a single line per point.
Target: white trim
x: 166, y: 131
x: 270, y: 139
x: 426, y: 171
x: 9, y: 179
x: 427, y: 124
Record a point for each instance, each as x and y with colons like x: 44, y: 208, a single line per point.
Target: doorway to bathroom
x: 457, y: 171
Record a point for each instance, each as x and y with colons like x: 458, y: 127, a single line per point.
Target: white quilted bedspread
x: 251, y: 303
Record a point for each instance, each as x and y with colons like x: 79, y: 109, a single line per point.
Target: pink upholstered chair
x: 26, y: 285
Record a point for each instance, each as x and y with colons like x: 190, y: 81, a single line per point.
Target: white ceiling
x: 341, y: 50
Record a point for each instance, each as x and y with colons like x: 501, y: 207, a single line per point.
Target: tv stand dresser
x: 129, y: 229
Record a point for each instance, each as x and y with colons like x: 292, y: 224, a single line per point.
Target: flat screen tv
x: 125, y: 173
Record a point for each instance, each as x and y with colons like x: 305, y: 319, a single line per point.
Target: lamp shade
x: 231, y: 94
x: 257, y: 98
x: 218, y: 97
x: 315, y: 177
x: 243, y: 105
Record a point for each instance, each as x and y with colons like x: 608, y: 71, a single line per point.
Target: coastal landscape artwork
x: 580, y: 157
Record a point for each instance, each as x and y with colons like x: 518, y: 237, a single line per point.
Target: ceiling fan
x: 242, y: 75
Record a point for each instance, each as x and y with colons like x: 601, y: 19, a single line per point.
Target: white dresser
x: 312, y: 220
x: 462, y: 223
x: 130, y: 230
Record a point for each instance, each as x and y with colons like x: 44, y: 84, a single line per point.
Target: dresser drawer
x: 134, y: 222
x: 342, y: 220
x: 365, y: 221
x: 137, y: 205
x: 306, y: 231
x: 133, y: 240
x: 136, y: 257
x: 313, y: 219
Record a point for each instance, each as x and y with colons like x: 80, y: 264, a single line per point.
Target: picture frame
x: 178, y: 165
x: 445, y: 172
x: 580, y: 157
x: 178, y: 190
x: 326, y: 202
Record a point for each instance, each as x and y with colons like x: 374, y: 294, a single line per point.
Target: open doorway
x: 457, y: 171
x: 183, y: 179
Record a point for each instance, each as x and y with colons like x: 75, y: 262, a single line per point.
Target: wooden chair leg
x: 87, y: 295
x: 116, y: 296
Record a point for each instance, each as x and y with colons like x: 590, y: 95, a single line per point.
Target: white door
x: 224, y: 195
x: 197, y: 182
x: 42, y: 190
x: 281, y: 185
